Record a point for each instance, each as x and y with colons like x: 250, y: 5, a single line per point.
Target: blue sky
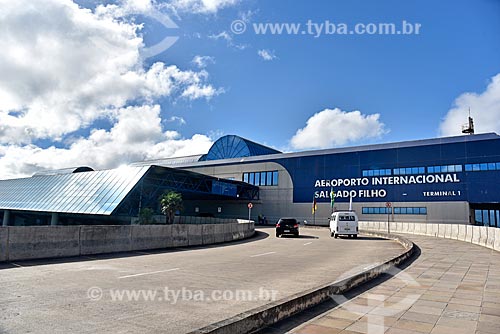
x: 78, y: 88
x: 411, y: 81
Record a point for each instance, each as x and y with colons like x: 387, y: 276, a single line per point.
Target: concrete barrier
x: 180, y: 235
x: 153, y: 237
x: 104, y: 239
x: 36, y: 242
x: 490, y: 238
x: 208, y: 234
x: 480, y: 235
x: 496, y: 244
x: 4, y: 236
x: 469, y: 234
x: 462, y: 232
x: 195, y: 235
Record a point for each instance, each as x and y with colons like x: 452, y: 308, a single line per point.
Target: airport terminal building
x: 442, y: 180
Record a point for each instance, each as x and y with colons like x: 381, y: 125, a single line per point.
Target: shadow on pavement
x: 296, y: 320
x: 301, y: 236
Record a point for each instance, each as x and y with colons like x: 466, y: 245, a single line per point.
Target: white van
x: 344, y: 223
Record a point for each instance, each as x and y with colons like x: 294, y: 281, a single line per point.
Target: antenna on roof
x: 469, y: 127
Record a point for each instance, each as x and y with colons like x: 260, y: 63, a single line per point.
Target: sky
x: 106, y: 83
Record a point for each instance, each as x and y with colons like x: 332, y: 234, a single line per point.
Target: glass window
x: 486, y: 217
x: 478, y: 217
x: 396, y: 171
x: 365, y: 173
x: 423, y: 211
x: 414, y: 170
x: 376, y: 173
x: 430, y: 169
x: 257, y: 179
x: 492, y: 218
x: 245, y: 177
x: 458, y: 168
x: 476, y: 167
x: 468, y: 168
x: 382, y: 172
x: 408, y: 170
x: 402, y: 171
x: 397, y: 211
x: 484, y: 166
x: 498, y: 165
x: 491, y: 166
x: 263, y: 178
x: 365, y: 211
x: 497, y: 214
x: 269, y: 178
x: 251, y: 178
x: 403, y: 211
x: 275, y: 178
x: 451, y: 169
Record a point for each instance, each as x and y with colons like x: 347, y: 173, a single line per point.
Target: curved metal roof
x: 232, y: 146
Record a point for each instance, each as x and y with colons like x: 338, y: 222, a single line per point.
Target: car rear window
x: 288, y: 221
x: 347, y: 218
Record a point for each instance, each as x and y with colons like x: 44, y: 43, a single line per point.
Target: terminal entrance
x: 486, y: 214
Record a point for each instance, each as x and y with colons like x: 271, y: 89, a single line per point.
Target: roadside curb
x: 269, y: 314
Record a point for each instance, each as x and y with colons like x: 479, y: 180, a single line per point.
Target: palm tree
x: 170, y: 202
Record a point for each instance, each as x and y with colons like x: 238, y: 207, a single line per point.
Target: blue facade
x: 450, y: 169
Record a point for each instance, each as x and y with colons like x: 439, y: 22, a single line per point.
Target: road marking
x: 308, y: 243
x: 17, y: 265
x: 150, y: 273
x: 263, y: 254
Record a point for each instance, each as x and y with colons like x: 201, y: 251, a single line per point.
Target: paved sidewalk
x: 453, y: 287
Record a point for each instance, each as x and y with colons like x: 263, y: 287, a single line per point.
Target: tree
x: 146, y: 216
x: 170, y: 202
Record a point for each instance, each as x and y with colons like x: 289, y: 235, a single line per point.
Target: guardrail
x: 480, y: 235
x: 36, y: 242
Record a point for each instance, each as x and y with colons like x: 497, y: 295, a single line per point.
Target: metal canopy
x: 95, y: 192
x: 121, y: 191
x: 192, y: 186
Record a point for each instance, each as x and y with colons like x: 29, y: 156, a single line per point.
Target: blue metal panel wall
x: 312, y: 175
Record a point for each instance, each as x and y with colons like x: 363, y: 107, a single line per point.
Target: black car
x: 287, y: 226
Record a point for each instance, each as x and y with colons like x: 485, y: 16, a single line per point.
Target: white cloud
x: 201, y: 6
x: 178, y: 119
x: 203, y: 61
x: 65, y: 67
x: 267, y: 55
x: 137, y: 135
x: 333, y: 127
x: 224, y: 35
x: 485, y: 109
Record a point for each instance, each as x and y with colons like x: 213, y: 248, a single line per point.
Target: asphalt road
x: 175, y: 291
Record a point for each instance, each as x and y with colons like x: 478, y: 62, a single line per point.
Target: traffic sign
x: 250, y: 205
x: 388, y: 204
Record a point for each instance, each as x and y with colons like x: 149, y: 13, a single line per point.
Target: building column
x: 55, y: 219
x: 6, y: 217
